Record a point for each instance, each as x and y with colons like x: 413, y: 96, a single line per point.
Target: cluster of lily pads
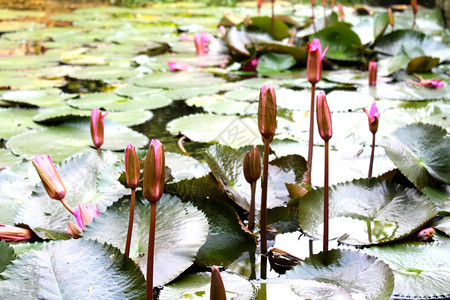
x: 190, y: 75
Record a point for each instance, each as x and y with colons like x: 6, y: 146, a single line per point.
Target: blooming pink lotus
x: 314, y: 63
x: 97, y: 127
x: 50, y: 177
x: 373, y: 116
x: 14, y: 234
x: 85, y: 214
x: 178, y: 66
x: 202, y: 41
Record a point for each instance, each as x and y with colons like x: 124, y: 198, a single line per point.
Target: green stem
x: 325, y: 15
x: 151, y: 250
x: 66, y: 205
x: 313, y: 18
x: 325, y: 201
x: 251, y: 216
x: 130, y: 223
x: 272, y: 26
x: 372, y: 155
x: 311, y: 130
x: 414, y: 22
x: 263, y: 217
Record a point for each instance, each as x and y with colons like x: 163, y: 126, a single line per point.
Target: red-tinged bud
x: 50, y: 177
x: 217, y: 287
x: 391, y: 17
x: 414, y: 6
x: 333, y: 3
x: 373, y: 73
x: 314, y: 62
x: 74, y: 230
x: 132, y: 167
x: 252, y: 165
x: 373, y: 116
x: 313, y: 2
x: 154, y: 172
x: 259, y: 3
x: 324, y: 117
x: 324, y: 2
x: 14, y: 234
x: 85, y: 214
x: 267, y: 112
x: 426, y: 235
x: 341, y: 12
x: 97, y: 127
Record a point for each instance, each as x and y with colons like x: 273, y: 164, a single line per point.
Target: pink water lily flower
x: 85, y: 214
x: 429, y: 83
x: 202, y: 41
x: 175, y: 66
x: 251, y: 66
x: 373, y: 116
x: 314, y: 62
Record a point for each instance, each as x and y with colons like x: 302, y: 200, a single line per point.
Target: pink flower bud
x: 85, y: 214
x: 74, y: 230
x: 132, y: 167
x: 314, y: 62
x: 341, y: 12
x: 324, y: 2
x: 267, y: 112
x: 313, y: 2
x: 14, y: 234
x: 373, y: 116
x: 391, y: 17
x: 252, y: 165
x: 259, y: 3
x: 414, y: 6
x: 97, y: 127
x: 154, y: 172
x: 373, y: 73
x: 49, y: 177
x: 324, y: 117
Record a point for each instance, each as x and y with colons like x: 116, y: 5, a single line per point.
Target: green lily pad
x: 197, y: 286
x: 60, y: 114
x: 171, y: 80
x: 280, y: 29
x: 103, y: 73
x: 6, y: 255
x: 420, y: 271
x: 133, y: 91
x: 342, y: 274
x: 8, y: 160
x: 421, y: 152
x: 184, y: 167
x: 21, y: 248
x: 422, y: 64
x: 244, y: 94
x: 343, y: 43
x: 348, y: 101
x: 15, y: 121
x: 39, y: 98
x: 347, y: 77
x: 26, y: 62
x: 50, y: 273
x: 218, y: 104
x: 48, y: 218
x: 227, y: 130
x: 9, y: 14
x: 181, y: 230
x: 186, y: 93
x: 366, y: 212
x: 440, y: 195
x: 131, y: 117
x: 406, y: 92
x: 272, y: 62
x: 54, y: 140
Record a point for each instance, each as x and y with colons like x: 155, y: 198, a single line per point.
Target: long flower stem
x: 151, y: 251
x: 325, y: 15
x: 251, y: 216
x: 372, y: 155
x: 130, y: 223
x: 67, y: 206
x: 311, y: 131
x: 325, y: 201
x: 263, y: 218
x: 272, y: 24
x: 313, y: 18
x: 414, y: 22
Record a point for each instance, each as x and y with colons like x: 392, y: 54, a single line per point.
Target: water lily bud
x: 132, y: 167
x: 426, y: 235
x: 373, y: 116
x: 373, y: 73
x: 50, y: 177
x: 14, y: 234
x: 324, y: 117
x: 85, y: 214
x: 74, y: 230
x: 252, y: 165
x: 314, y: 62
x: 217, y: 287
x: 333, y: 3
x: 341, y: 12
x: 324, y: 2
x: 154, y: 171
x: 97, y: 127
x: 267, y: 112
x: 259, y: 3
x: 313, y: 2
x: 391, y: 17
x: 414, y: 6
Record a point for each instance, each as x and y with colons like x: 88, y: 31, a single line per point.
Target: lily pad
x: 181, y: 230
x: 99, y: 270
x: 366, y: 212
x: 48, y: 218
x: 54, y: 140
x: 171, y: 80
x: 8, y: 160
x: 406, y: 92
x: 218, y: 104
x: 421, y: 152
x: 344, y: 44
x: 26, y: 62
x: 271, y: 62
x: 39, y: 98
x: 15, y: 121
x: 197, y: 286
x: 103, y: 73
x: 357, y: 274
x: 7, y: 255
x: 280, y: 29
x: 184, y: 167
x: 423, y: 270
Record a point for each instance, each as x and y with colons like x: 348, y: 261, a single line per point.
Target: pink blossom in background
x: 251, y: 66
x: 178, y: 66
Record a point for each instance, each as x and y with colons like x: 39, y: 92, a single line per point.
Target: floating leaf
x: 185, y: 167
x: 271, y: 62
x: 98, y: 270
x: 103, y: 73
x: 421, y: 152
x: 366, y: 212
x: 420, y: 271
x: 171, y: 80
x: 422, y: 64
x: 343, y: 42
x: 357, y: 274
x: 40, y: 98
x: 6, y: 255
x: 8, y: 160
x: 180, y: 231
x: 280, y: 29
x: 15, y: 121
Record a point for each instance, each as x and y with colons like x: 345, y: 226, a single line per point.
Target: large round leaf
x: 6, y: 255
x: 198, y: 286
x: 343, y: 42
x: 171, y: 80
x: 360, y: 275
x: 181, y: 230
x: 48, y: 218
x: 421, y: 152
x: 366, y: 212
x: 70, y: 138
x: 75, y: 269
x: 420, y: 271
x: 15, y: 121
